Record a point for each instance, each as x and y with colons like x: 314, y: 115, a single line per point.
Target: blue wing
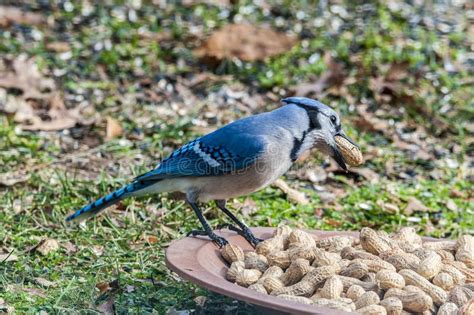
x: 224, y: 151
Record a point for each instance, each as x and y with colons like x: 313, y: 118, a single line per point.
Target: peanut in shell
x: 352, y: 154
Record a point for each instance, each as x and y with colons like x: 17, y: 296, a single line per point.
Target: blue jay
x: 237, y: 159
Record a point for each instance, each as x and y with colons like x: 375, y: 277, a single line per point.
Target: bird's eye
x: 333, y: 119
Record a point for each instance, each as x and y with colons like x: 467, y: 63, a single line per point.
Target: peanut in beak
x: 352, y: 154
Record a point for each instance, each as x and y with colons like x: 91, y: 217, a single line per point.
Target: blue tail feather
x: 106, y: 201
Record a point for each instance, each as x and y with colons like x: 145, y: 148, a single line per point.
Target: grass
x: 127, y: 244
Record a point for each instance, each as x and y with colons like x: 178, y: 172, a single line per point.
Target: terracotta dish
x: 199, y: 261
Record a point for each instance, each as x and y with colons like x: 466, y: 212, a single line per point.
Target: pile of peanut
x: 376, y: 273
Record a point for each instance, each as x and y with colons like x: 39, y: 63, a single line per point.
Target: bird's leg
x: 220, y: 241
x: 243, y: 229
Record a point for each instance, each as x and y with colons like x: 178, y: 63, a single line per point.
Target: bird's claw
x: 245, y: 233
x: 220, y: 241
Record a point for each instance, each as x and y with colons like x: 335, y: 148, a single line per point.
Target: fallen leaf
x: 327, y: 197
x: 151, y: 239
x: 40, y: 106
x: 10, y: 179
x: 108, y: 307
x: 397, y: 71
x: 98, y: 250
x: 456, y: 193
x: 415, y: 205
x: 451, y: 205
x: 167, y: 230
x: 245, y: 42
x: 14, y: 15
x: 69, y: 247
x: 248, y: 207
x: 386, y: 86
x: 108, y: 291
x: 31, y: 291
x: 368, y: 174
x: 332, y: 222
x: 59, y: 47
x: 388, y: 207
x: 25, y: 76
x: 334, y: 75
x: 367, y: 121
x: 59, y: 117
x: 108, y: 286
x: 292, y: 194
x: 174, y: 311
x: 103, y: 287
x: 8, y: 257
x: 200, y: 300
x: 113, y: 129
x: 218, y: 3
x: 44, y: 282
x: 47, y: 246
x: 315, y: 175
x: 35, y: 291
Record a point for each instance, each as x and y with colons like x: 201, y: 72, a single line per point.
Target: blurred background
x: 95, y: 93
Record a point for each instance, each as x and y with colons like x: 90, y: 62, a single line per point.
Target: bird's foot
x: 220, y: 241
x: 244, y: 232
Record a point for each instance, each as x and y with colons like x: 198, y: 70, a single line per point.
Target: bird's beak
x: 341, y: 133
x: 336, y: 154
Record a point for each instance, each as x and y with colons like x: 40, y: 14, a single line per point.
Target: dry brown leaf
x: 368, y: 174
x: 327, y: 197
x: 4, y: 308
x: 44, y: 282
x: 47, y: 246
x: 367, y: 121
x: 14, y: 15
x: 109, y: 291
x: 10, y: 179
x: 8, y: 257
x: 335, y: 75
x: 103, y: 287
x: 333, y: 222
x: 415, y: 205
x: 69, y: 247
x: 388, y: 207
x: 31, y: 291
x: 218, y: 3
x: 59, y: 47
x: 244, y: 41
x: 25, y: 76
x: 108, y: 286
x: 454, y: 193
x: 314, y: 175
x: 248, y: 207
x: 386, y: 86
x: 40, y: 106
x: 397, y: 71
x: 98, y: 250
x: 292, y: 194
x: 59, y: 117
x: 35, y: 291
x: 108, y: 307
x: 151, y: 239
x: 113, y: 129
x: 451, y: 205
